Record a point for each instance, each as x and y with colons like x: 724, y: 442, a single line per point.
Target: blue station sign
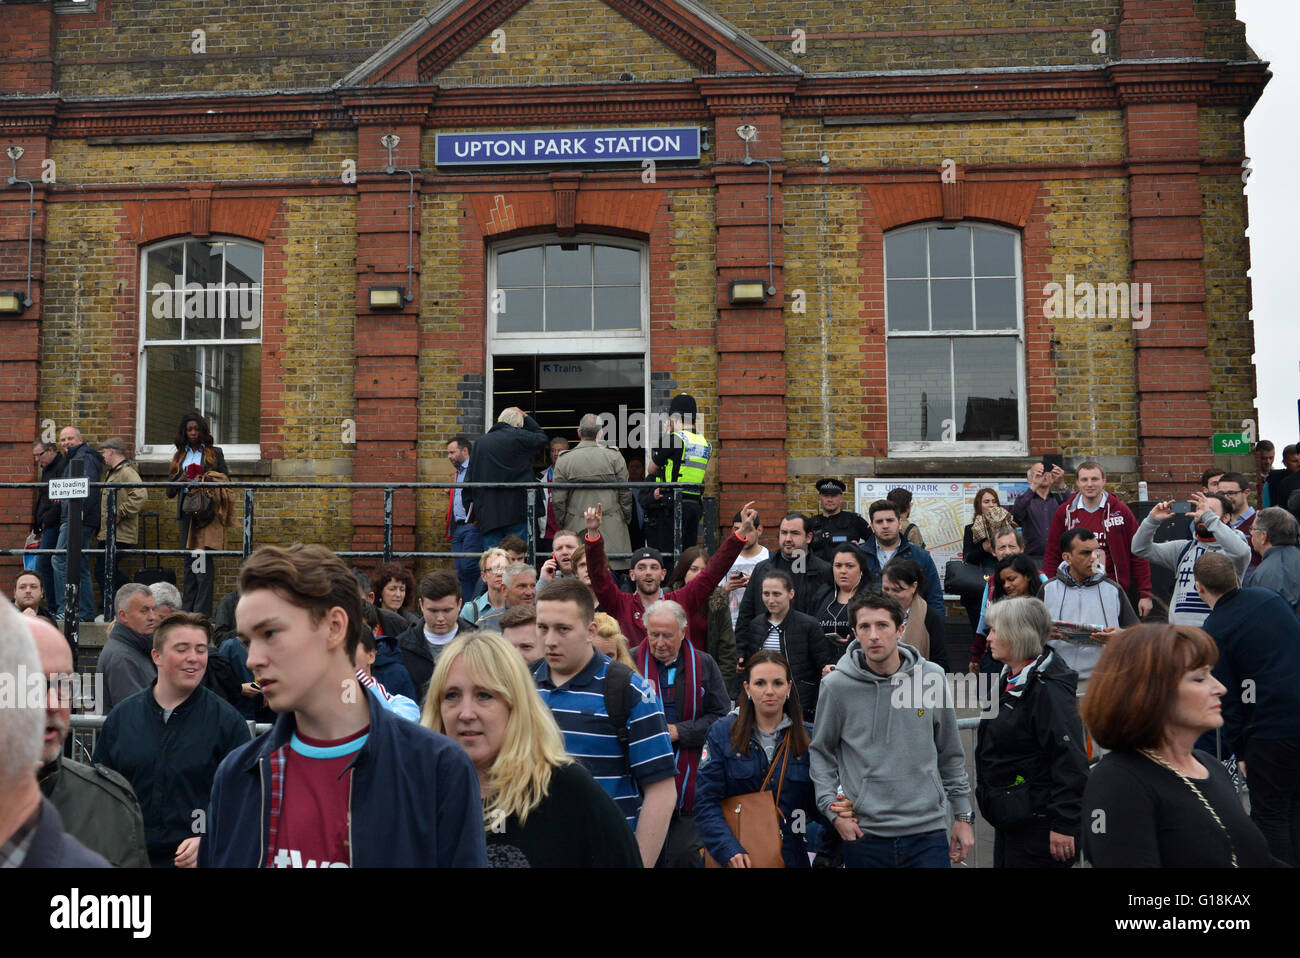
x: 568, y: 146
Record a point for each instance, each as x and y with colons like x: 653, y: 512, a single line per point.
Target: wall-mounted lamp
x: 11, y: 303
x: 747, y: 292
x: 386, y: 297
x: 704, y: 141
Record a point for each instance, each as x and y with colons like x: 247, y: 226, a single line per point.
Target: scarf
x: 686, y: 760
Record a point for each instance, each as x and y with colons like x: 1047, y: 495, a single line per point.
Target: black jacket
x: 1035, y: 736
x: 419, y: 656
x: 170, y: 764
x: 804, y: 646
x: 45, y: 515
x: 817, y: 573
x: 52, y: 847
x: 505, y: 454
x: 1259, y: 641
x: 94, y: 469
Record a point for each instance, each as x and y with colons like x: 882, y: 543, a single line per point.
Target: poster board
x: 941, y: 507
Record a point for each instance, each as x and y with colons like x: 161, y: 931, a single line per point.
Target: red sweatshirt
x: 627, y: 607
x: 1114, y: 525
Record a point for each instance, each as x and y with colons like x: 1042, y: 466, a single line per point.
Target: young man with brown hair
x: 292, y: 798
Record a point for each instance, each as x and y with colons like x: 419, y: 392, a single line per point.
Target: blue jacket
x: 390, y: 671
x: 933, y: 589
x: 414, y: 799
x: 727, y: 773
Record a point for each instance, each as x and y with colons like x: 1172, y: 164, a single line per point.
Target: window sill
x: 150, y: 468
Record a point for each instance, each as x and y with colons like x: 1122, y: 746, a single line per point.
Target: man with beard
x: 1212, y: 535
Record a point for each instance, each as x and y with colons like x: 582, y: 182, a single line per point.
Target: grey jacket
x: 891, y: 743
x: 1097, y: 602
x: 589, y: 462
x: 1279, y: 570
x: 126, y: 665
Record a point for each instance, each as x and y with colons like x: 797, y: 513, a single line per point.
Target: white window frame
x: 927, y: 448
x: 629, y: 341
x: 162, y: 452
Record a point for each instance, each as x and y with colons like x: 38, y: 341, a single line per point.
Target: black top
x: 577, y: 825
x: 831, y: 531
x: 1137, y: 814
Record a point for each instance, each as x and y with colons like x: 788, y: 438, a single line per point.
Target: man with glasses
x: 45, y: 517
x: 1236, y: 487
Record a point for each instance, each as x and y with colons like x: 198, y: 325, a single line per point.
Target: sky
x: 1273, y: 144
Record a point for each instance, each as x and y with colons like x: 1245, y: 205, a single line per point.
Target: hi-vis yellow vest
x: 695, y: 458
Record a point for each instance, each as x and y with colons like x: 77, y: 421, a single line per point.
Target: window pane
x: 905, y: 254
x: 618, y: 307
x: 995, y: 304
x: 163, y: 306
x: 521, y: 311
x: 203, y: 290
x: 920, y: 390
x: 243, y: 264
x: 615, y: 266
x: 987, y: 390
x: 243, y: 312
x: 568, y: 309
x: 907, y: 305
x: 521, y: 267
x: 233, y: 393
x: 950, y: 302
x: 995, y: 253
x: 171, y: 381
x: 950, y: 251
x: 568, y: 267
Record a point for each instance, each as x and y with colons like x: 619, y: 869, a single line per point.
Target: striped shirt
x: 579, y: 709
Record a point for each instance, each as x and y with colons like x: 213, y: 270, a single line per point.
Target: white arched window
x: 954, y: 320
x: 200, y: 343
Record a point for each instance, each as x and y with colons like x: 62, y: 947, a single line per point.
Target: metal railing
x: 111, y: 551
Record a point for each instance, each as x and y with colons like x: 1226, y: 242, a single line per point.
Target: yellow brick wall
x: 1097, y: 412
x: 566, y: 41
x: 1095, y: 136
x: 1221, y: 133
x: 80, y: 164
x: 251, y: 45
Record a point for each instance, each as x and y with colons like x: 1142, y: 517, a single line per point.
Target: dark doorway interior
x: 557, y: 391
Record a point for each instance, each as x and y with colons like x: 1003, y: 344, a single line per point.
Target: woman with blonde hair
x: 611, y: 641
x: 540, y: 808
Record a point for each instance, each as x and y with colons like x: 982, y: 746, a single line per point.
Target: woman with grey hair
x: 1029, y: 759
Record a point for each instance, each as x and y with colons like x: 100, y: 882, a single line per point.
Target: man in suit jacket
x: 588, y: 462
x: 505, y: 454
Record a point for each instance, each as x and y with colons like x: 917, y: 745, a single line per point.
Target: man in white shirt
x: 738, y: 577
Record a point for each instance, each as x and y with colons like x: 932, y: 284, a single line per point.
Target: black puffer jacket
x: 804, y: 646
x: 1036, y: 736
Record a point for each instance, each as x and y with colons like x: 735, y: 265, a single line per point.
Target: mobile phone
x: 1182, y: 508
x: 1052, y: 459
x: 737, y: 575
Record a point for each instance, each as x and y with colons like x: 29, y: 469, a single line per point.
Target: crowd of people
x: 749, y: 707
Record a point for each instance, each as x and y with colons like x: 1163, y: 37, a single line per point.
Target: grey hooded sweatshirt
x: 890, y: 742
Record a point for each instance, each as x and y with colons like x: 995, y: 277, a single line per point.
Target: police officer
x: 835, y: 524
x: 683, y: 457
x: 97, y: 805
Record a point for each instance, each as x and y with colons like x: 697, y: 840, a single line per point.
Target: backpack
x: 618, y: 686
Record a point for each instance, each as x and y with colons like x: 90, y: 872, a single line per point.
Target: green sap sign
x: 1229, y: 443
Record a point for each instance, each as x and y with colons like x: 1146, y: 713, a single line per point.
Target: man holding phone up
x: 1035, y: 508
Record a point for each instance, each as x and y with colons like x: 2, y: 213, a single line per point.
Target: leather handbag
x: 963, y: 579
x: 755, y: 818
x: 199, y: 507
